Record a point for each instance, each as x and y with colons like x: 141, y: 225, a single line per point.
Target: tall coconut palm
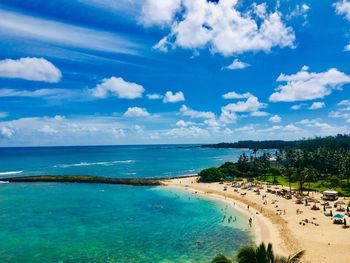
x: 260, y: 254
x: 263, y: 254
x: 221, y: 259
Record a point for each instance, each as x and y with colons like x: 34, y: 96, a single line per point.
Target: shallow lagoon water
x: 108, y: 223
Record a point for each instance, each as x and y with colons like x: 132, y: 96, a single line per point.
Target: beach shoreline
x: 322, y: 240
x: 261, y: 230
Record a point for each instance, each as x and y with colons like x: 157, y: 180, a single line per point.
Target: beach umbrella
x: 313, y: 200
x: 339, y: 216
x: 340, y: 203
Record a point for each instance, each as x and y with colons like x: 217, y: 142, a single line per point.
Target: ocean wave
x: 10, y: 173
x: 92, y: 163
x: 4, y: 182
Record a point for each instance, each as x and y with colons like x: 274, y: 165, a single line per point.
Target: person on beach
x: 344, y: 222
x: 250, y: 222
x: 248, y: 207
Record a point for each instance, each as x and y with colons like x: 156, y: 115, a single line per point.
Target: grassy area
x: 318, y: 186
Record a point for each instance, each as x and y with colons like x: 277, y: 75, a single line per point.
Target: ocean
x: 52, y: 222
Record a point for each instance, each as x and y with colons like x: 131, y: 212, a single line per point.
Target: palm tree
x: 221, y: 259
x: 260, y: 254
x: 263, y: 254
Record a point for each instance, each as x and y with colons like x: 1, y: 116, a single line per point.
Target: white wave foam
x: 4, y: 182
x: 91, y: 164
x: 10, y: 173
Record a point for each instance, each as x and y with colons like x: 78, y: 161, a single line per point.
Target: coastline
x: 322, y: 240
x: 263, y: 230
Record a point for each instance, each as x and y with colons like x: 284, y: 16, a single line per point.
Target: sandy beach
x: 277, y: 221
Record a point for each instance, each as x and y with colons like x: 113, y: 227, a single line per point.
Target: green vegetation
x: 313, y: 164
x: 330, y: 142
x: 260, y: 254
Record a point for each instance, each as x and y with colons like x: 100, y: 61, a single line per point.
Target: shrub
x: 211, y: 175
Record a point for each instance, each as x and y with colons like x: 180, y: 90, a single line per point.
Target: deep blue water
x: 113, y: 161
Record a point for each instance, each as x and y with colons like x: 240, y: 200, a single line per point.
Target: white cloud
x: 275, y: 118
x: 189, y: 132
x: 344, y: 103
x: 6, y: 132
x: 136, y: 112
x: 259, y: 113
x: 252, y: 104
x: 36, y: 69
x: 183, y: 123
x: 287, y: 128
x: 118, y: 87
x: 154, y: 96
x: 324, y: 128
x: 227, y: 116
x: 222, y: 27
x: 48, y: 129
x: 317, y: 105
x: 299, y: 11
x: 186, y: 111
x: 3, y: 115
x: 236, y: 64
x: 171, y: 97
x: 159, y: 12
x: 347, y: 47
x: 20, y: 26
x: 343, y: 8
x: 297, y: 106
x: 306, y: 85
x: 234, y: 95
x: 50, y: 94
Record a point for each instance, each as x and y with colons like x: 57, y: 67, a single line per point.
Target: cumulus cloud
x: 186, y: 111
x: 343, y: 8
x: 6, y: 132
x: 35, y: 69
x: 275, y: 118
x: 287, y: 128
x: 159, y: 12
x: 117, y: 87
x: 236, y: 64
x: 299, y: 11
x: 183, y: 123
x: 259, y: 113
x: 136, y: 112
x: 154, y: 96
x: 317, y: 105
x: 252, y: 104
x: 196, y: 24
x: 171, y: 97
x: 324, y: 128
x: 297, y: 106
x: 306, y: 85
x: 235, y: 95
x: 189, y: 132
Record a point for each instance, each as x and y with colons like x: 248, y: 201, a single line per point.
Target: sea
x: 53, y: 222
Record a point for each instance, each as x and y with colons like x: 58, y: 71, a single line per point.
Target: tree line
x: 316, y: 163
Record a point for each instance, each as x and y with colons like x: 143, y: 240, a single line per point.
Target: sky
x: 106, y: 72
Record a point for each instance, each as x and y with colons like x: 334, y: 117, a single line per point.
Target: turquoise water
x: 111, y: 223
x: 107, y: 223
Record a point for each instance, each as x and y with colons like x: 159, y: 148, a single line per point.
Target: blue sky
x: 91, y: 72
